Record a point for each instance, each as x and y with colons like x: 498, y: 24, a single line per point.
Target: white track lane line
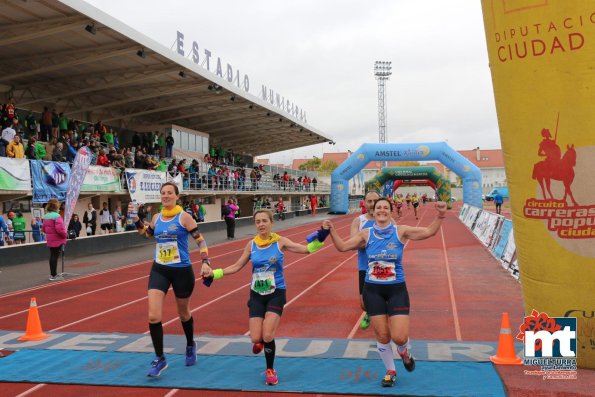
x: 110, y: 286
x: 145, y: 297
x: 455, y: 312
x: 31, y: 390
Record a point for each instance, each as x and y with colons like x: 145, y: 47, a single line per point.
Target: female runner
x: 385, y: 294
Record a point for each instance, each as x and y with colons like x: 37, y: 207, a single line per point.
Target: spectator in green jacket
x: 62, y: 123
x: 19, y: 225
x: 108, y: 137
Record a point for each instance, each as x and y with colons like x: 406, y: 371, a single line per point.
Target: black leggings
x: 231, y: 226
x: 54, y: 255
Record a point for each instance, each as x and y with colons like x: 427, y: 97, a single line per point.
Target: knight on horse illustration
x: 554, y: 166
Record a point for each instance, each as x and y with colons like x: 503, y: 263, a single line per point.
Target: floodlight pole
x: 382, y: 72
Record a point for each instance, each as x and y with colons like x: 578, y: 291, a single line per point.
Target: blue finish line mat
x: 311, y: 375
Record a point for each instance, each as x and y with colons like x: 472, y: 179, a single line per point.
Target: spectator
x: 280, y: 207
x: 8, y: 135
x: 55, y: 123
x: 201, y: 212
x: 5, y: 234
x: 314, y: 182
x: 193, y: 174
x: 53, y: 227
x: 19, y: 225
x: 169, y: 144
x: 229, y: 211
x: 139, y: 158
x: 498, y: 200
x: 15, y: 148
x: 90, y: 220
x: 362, y: 205
x: 156, y: 149
x: 116, y: 141
x: 102, y: 159
x: 31, y: 125
x: 30, y: 152
x: 182, y: 169
x: 105, y: 219
x: 46, y: 125
x: 10, y: 110
x: 58, y: 155
x: 172, y: 168
x: 49, y: 149
x: 162, y: 166
x: 117, y: 217
x: 36, y: 224
x: 62, y: 123
x: 108, y: 137
x: 161, y: 144
x: 313, y: 204
x: 74, y: 227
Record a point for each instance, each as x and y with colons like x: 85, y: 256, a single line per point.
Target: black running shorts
x: 362, y: 280
x: 388, y: 299
x: 180, y: 278
x: 260, y: 304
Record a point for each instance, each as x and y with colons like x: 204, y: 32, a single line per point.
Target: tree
x: 311, y: 165
x: 327, y: 167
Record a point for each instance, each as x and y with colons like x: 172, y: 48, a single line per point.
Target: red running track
x: 458, y: 292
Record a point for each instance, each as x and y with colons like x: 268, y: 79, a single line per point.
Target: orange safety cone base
x: 33, y: 337
x: 506, y: 361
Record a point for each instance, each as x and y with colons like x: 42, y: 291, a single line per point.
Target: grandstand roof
x: 70, y: 56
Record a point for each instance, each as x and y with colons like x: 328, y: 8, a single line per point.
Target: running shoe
x: 56, y: 278
x: 257, y: 348
x: 157, y: 367
x: 191, y: 354
x: 410, y: 366
x: 365, y: 322
x: 271, y: 377
x: 389, y: 379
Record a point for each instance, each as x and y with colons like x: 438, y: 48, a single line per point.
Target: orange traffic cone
x: 34, y: 331
x: 506, y: 353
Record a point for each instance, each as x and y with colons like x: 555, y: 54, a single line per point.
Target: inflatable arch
x: 390, y: 174
x: 439, y: 151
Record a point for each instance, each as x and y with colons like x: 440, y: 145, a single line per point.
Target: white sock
x: 402, y: 349
x: 387, y: 356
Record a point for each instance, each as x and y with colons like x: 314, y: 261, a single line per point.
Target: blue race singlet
x: 172, y: 243
x: 385, y: 253
x: 267, y: 268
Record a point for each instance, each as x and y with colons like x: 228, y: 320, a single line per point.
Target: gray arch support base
x: 437, y: 151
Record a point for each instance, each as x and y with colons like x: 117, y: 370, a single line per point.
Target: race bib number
x: 167, y: 253
x: 381, y: 271
x: 263, y: 283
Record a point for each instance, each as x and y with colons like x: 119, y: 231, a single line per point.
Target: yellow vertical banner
x: 542, y: 60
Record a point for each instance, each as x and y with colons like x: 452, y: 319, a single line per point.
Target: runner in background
x: 364, y: 221
x: 415, y: 202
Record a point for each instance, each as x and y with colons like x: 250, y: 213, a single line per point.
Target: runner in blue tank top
x: 385, y: 293
x: 267, y: 291
x: 172, y: 267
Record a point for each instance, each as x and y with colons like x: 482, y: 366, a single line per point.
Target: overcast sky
x: 320, y: 55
